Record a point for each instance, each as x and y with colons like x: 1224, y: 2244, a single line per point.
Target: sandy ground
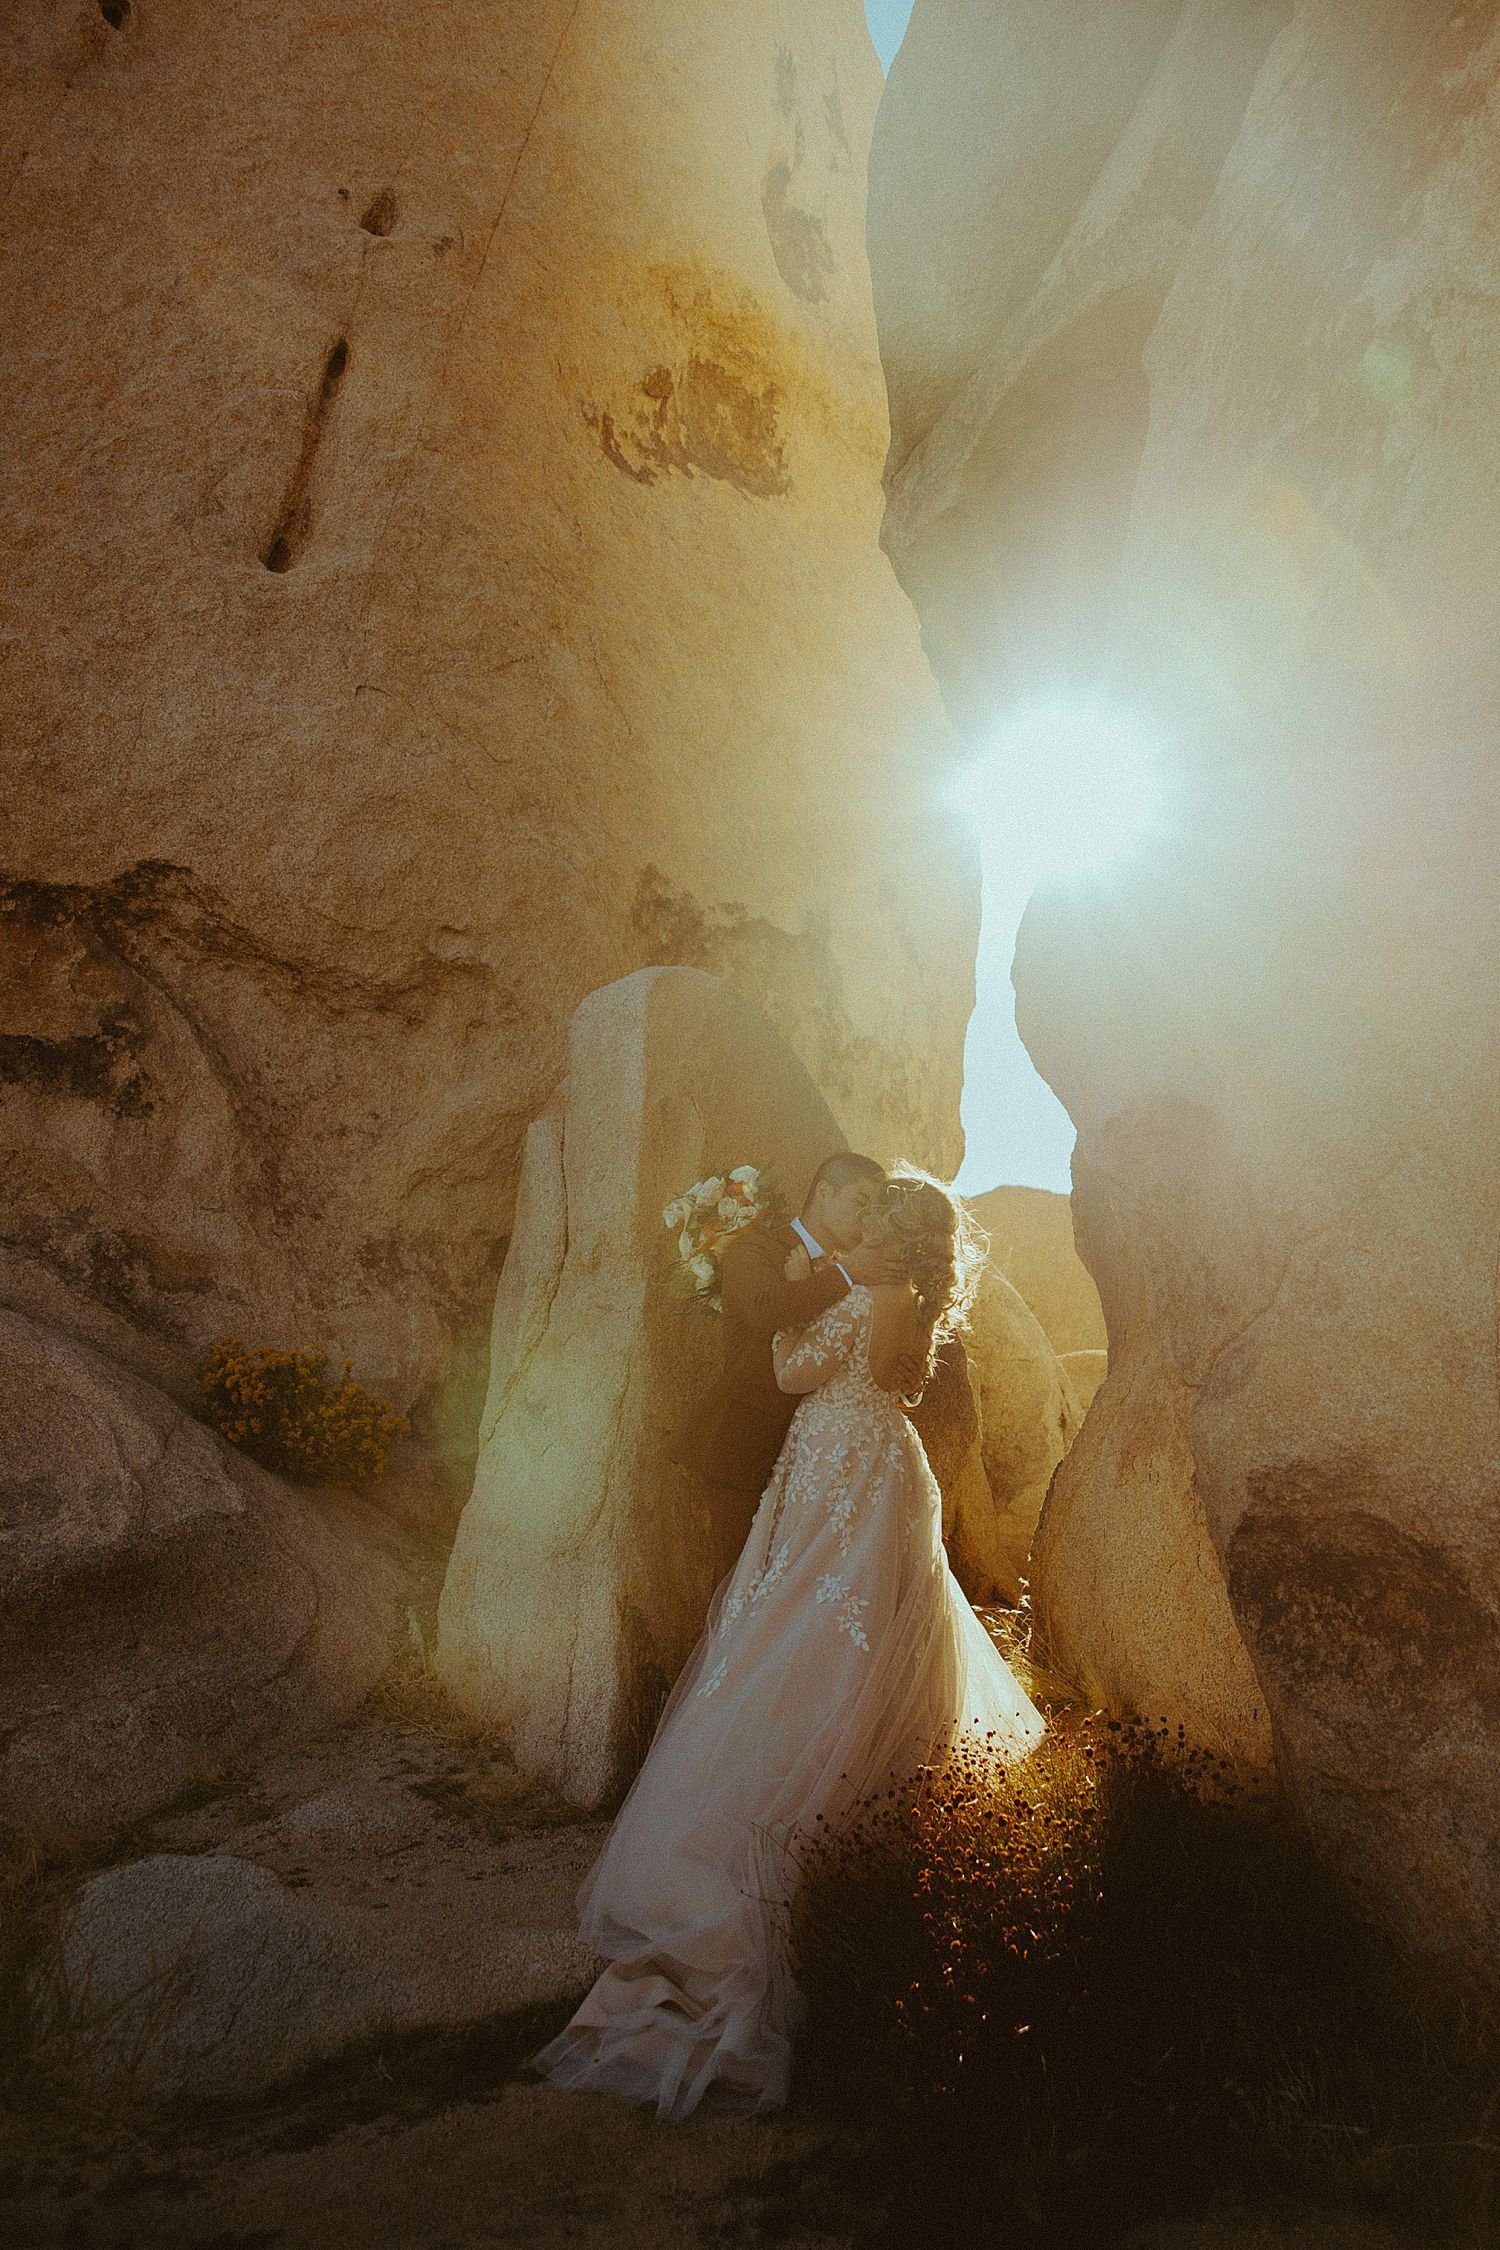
x: 439, y: 2139
x: 521, y: 2165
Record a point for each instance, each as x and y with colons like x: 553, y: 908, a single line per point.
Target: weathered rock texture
x: 1029, y: 1415
x: 288, y: 1913
x: 1128, y: 1597
x: 1207, y: 423
x: 582, y: 1567
x: 441, y: 576
x: 978, y: 1530
x: 1031, y: 1243
x: 207, y: 1975
x: 165, y: 1606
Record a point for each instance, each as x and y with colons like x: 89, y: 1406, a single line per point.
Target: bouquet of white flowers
x: 704, y: 1217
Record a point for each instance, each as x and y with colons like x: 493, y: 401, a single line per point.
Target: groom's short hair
x: 838, y: 1170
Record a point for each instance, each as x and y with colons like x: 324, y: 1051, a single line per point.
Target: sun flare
x: 1064, y: 789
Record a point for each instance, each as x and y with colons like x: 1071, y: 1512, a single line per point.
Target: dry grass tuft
x: 47, y: 2102
x: 409, y: 1694
x: 1108, y: 1983
x: 1010, y: 1628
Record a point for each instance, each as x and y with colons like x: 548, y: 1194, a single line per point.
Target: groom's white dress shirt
x: 815, y: 1249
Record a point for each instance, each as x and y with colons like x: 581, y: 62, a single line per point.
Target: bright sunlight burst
x: 1066, y: 788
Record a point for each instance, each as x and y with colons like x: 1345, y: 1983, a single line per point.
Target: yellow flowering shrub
x: 286, y: 1414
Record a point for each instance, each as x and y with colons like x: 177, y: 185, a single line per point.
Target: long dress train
x: 839, y: 1653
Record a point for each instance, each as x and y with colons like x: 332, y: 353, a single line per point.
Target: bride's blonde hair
x: 941, y: 1243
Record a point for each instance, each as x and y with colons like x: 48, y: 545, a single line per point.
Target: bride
x: 839, y: 1656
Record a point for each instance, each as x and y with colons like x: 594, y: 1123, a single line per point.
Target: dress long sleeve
x: 803, y: 1362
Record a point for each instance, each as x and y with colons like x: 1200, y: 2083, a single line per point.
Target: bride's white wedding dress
x: 839, y: 1652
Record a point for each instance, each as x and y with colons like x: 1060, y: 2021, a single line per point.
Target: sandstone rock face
x: 582, y: 1567
x: 1214, y: 438
x: 1015, y: 372
x: 1031, y: 1243
x: 1086, y: 1372
x: 167, y: 1605
x: 1128, y: 1597
x: 977, y: 1529
x: 1029, y: 1415
x: 442, y: 577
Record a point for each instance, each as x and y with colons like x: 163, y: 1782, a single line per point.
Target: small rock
x: 209, y: 1976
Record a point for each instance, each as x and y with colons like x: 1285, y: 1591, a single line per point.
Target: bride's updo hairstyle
x: 941, y: 1243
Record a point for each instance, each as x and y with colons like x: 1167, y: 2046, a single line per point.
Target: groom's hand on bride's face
x: 873, y: 1264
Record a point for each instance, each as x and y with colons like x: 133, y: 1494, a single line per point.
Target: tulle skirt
x: 840, y: 1655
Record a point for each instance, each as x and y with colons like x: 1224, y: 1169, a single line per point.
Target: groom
x: 731, y: 1438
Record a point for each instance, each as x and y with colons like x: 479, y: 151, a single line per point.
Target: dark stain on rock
x: 380, y: 213
x: 120, y: 1270
x: 710, y: 419
x: 1361, y: 1624
x: 785, y: 95
x: 156, y: 910
x: 293, y: 524
x: 97, y: 1066
x: 798, y: 243
x: 792, y: 975
x: 674, y: 930
x: 99, y: 1062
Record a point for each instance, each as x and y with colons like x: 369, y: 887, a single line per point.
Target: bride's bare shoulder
x: 892, y: 1301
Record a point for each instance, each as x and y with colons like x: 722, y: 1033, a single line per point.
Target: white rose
x: 709, y: 1191
x: 701, y: 1268
x: 676, y: 1211
x: 743, y: 1172
x: 730, y: 1207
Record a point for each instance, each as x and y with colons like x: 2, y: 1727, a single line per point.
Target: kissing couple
x: 839, y: 1655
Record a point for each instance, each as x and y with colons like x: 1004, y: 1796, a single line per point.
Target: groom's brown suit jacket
x: 735, y: 1431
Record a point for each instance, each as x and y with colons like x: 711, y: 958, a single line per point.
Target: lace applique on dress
x: 826, y: 1338
x: 848, y: 1606
x: 842, y: 1442
x: 738, y: 1602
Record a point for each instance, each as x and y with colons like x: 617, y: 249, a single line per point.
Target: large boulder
x: 582, y: 1567
x: 1210, y: 434
x: 976, y: 1529
x: 167, y: 1605
x: 1031, y: 1243
x: 1029, y: 1414
x: 210, y: 1976
x: 441, y: 577
x: 1129, y: 1601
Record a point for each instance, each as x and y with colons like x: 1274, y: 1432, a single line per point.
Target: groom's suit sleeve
x: 756, y: 1291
